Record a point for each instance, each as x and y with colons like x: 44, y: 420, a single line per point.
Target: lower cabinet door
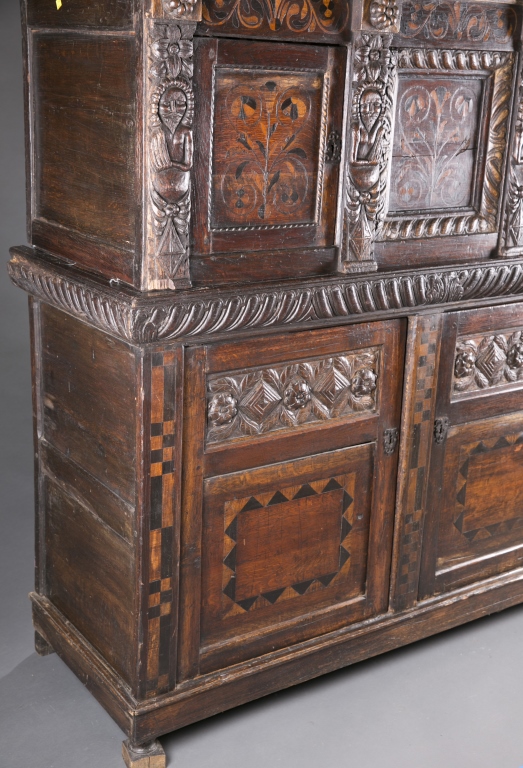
x: 290, y: 470
x: 474, y: 527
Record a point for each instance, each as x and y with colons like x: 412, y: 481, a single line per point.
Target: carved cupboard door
x: 289, y: 463
x: 474, y: 524
x: 269, y: 118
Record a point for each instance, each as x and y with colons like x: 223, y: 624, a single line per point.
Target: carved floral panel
x: 435, y: 143
x: 287, y: 396
x: 268, y: 129
x: 314, y: 17
x: 468, y: 22
x: 488, y: 362
x: 451, y: 129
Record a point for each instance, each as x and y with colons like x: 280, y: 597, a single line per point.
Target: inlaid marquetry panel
x: 438, y: 22
x: 282, y: 543
x: 309, y: 522
x: 488, y: 361
x: 447, y: 159
x: 481, y: 514
x: 435, y: 143
x: 283, y: 397
x: 269, y: 127
x: 279, y: 18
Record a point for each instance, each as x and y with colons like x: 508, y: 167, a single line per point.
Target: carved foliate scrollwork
x: 471, y: 22
x: 142, y: 321
x: 487, y: 362
x: 303, y: 16
x: 263, y: 400
x: 373, y: 85
x: 170, y: 154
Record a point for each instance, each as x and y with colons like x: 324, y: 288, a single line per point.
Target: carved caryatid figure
x: 171, y: 162
x: 366, y: 139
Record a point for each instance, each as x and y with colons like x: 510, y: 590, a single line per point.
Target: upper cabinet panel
x: 431, y: 133
x: 268, y: 171
x: 306, y: 20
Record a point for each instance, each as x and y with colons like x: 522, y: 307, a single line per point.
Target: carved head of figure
x: 172, y: 107
x: 222, y: 409
x: 370, y: 108
x: 363, y: 382
x: 515, y: 355
x: 464, y: 364
x: 297, y: 394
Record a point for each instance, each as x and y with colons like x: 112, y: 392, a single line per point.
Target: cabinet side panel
x: 89, y: 409
x: 84, y: 153
x: 90, y: 576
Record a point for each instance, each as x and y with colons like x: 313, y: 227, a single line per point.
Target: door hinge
x: 390, y: 440
x: 441, y: 427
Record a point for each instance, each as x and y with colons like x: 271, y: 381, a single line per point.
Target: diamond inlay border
x: 233, y: 509
x: 467, y: 451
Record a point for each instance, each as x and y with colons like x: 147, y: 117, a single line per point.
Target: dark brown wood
x: 42, y: 647
x: 253, y: 464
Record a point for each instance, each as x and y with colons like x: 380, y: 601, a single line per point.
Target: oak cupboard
x: 275, y: 282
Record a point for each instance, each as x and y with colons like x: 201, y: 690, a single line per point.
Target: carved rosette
x: 169, y: 153
x: 488, y: 362
x: 384, y: 14
x: 284, y: 397
x: 370, y: 142
x: 511, y: 235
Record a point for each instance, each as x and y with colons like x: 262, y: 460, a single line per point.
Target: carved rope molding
x: 370, y: 143
x: 511, y: 234
x: 140, y: 320
x: 170, y: 99
x: 485, y: 218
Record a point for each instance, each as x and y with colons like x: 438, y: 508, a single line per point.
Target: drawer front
x: 289, y: 491
x: 475, y: 514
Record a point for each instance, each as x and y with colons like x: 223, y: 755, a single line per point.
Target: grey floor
x: 454, y: 701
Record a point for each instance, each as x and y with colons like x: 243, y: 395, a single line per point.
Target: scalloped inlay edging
x: 139, y: 320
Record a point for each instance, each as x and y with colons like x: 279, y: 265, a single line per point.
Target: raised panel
x: 481, y: 519
x: 266, y: 151
x: 268, y: 175
x: 285, y: 542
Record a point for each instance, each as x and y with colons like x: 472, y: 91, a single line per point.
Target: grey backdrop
x: 454, y: 701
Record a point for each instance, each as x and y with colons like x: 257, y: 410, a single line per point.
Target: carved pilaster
x: 369, y: 148
x: 511, y: 234
x: 169, y: 148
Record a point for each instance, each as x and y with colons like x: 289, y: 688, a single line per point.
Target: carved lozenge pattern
x: 487, y: 362
x: 267, y: 135
x: 286, y: 396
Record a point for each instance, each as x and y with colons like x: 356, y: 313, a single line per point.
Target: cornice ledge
x: 184, y: 315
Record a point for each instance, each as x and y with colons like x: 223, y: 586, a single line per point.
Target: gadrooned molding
x: 182, y: 315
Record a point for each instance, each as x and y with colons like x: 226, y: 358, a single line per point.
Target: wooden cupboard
x: 275, y: 288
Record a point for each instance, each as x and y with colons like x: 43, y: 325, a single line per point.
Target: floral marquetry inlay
x: 286, y: 396
x: 486, y: 362
x: 268, y: 130
x: 295, y: 16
